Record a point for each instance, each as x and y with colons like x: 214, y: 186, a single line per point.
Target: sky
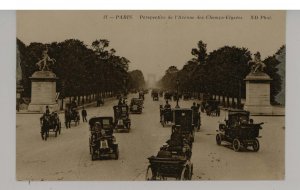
x: 155, y: 40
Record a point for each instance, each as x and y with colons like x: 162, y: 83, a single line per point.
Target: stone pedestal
x: 258, y: 94
x: 43, y: 91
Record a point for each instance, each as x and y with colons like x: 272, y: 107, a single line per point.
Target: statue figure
x: 257, y: 65
x: 44, y: 63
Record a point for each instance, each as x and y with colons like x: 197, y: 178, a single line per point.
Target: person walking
x: 84, y: 114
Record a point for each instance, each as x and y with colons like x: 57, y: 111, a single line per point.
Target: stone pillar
x: 43, y: 92
x: 258, y: 94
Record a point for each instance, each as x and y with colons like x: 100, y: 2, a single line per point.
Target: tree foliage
x: 220, y: 72
x: 81, y: 70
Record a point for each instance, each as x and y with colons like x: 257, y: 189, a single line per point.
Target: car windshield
x: 105, y: 122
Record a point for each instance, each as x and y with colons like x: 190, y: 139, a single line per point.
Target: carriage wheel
x: 255, y: 145
x: 219, y: 139
x: 236, y: 145
x: 149, y: 174
x: 185, y: 174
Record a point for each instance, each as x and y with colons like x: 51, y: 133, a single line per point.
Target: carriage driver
x: 47, y: 110
x: 167, y: 105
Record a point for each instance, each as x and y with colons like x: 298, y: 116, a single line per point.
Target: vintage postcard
x: 150, y: 95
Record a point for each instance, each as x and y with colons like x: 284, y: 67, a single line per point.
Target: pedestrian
x: 47, y: 110
x: 84, y: 114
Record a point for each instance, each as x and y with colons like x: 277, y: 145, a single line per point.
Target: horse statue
x: 45, y: 62
x: 257, y: 65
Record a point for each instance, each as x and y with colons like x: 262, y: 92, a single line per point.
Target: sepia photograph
x: 150, y: 95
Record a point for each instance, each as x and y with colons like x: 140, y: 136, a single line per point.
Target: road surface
x: 67, y: 156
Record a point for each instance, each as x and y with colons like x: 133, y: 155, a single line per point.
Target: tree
x: 200, y: 53
x: 280, y: 56
x: 136, y: 80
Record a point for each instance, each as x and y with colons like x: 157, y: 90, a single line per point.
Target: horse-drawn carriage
x: 50, y: 123
x: 239, y: 130
x: 102, y: 143
x: 211, y: 107
x: 71, y: 114
x: 122, y: 121
x: 136, y: 105
x: 166, y: 115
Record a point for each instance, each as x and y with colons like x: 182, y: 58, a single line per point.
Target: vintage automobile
x: 122, y: 121
x: 142, y: 95
x: 50, y: 123
x: 161, y: 93
x: 166, y: 115
x: 168, y: 164
x: 102, y: 143
x: 187, y: 96
x: 136, y: 105
x: 239, y: 130
x: 155, y: 96
x: 183, y: 118
x: 167, y: 96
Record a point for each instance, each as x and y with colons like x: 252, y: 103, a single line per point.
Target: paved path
x: 67, y: 156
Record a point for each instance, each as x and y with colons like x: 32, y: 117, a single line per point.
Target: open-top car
x: 102, y: 143
x: 122, y: 121
x: 239, y: 130
x: 136, y: 105
x: 172, y: 161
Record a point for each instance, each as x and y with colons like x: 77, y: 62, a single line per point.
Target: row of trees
x: 81, y: 70
x: 220, y: 72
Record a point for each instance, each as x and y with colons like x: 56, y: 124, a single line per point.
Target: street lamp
x: 177, y: 96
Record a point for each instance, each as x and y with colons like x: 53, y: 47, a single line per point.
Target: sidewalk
x: 61, y: 111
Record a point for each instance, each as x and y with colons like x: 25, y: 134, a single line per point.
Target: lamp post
x: 177, y: 97
x: 124, y: 80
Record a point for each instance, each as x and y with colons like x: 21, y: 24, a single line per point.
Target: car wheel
x: 236, y: 144
x: 219, y: 139
x: 255, y: 145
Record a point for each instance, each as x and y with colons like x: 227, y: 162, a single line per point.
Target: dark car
x: 102, y: 143
x: 122, y: 121
x: 239, y: 130
x: 136, y: 105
